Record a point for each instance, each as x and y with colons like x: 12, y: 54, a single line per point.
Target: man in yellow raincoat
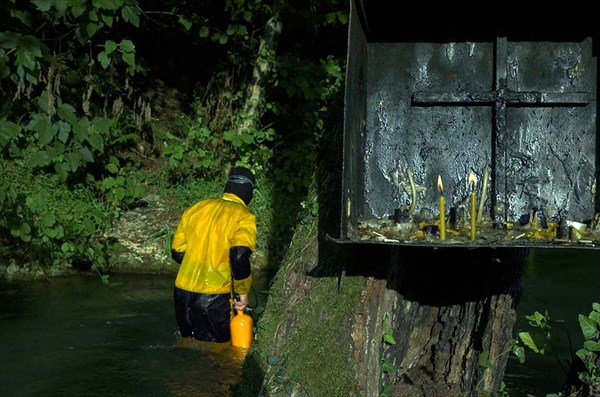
x: 213, y: 243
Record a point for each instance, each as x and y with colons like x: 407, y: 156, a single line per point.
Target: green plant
x: 590, y: 328
x: 386, y: 364
x: 543, y: 340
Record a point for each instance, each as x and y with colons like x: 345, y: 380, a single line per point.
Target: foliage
x: 42, y: 222
x: 543, y: 340
x: 590, y: 328
x: 83, y: 106
x: 63, y: 182
x: 386, y: 364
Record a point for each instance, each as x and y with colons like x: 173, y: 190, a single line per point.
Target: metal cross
x: 500, y: 98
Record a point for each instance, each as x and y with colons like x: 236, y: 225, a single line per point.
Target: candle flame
x: 472, y: 178
x: 440, y: 185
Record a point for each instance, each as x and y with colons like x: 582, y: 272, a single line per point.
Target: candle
x: 473, y: 213
x: 483, y: 194
x: 442, y: 209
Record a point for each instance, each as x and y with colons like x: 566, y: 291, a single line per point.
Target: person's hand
x: 240, y: 302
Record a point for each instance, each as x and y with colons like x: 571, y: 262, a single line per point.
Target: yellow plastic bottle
x: 242, y: 333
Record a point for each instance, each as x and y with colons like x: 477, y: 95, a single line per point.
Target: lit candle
x: 486, y: 172
x: 473, y: 213
x: 442, y: 209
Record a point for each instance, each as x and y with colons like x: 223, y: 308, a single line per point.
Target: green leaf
x: 77, y: 7
x: 63, y: 131
x: 186, y: 23
x: 23, y: 16
x: 520, y: 353
x: 247, y: 138
x: 14, y: 231
x: 112, y: 168
x: 588, y: 327
x: 108, y: 20
x: 128, y: 58
x: 596, y: 306
x: 39, y: 123
x: 46, y: 136
x: 48, y: 220
x: 61, y: 7
x: 389, y: 338
x: 96, y: 140
x: 73, y: 160
x: 223, y: 39
x: 32, y: 45
x: 51, y: 232
x: 40, y: 159
x: 127, y: 46
x: 89, y: 226
x: 86, y: 155
x: 62, y: 170
x: 9, y: 40
x: 106, y: 4
x: 81, y: 129
x: 67, y: 113
x: 24, y: 229
x: 101, y: 124
x: 584, y: 354
x: 31, y: 78
x: 42, y: 5
x: 103, y: 59
x: 528, y: 340
x: 66, y: 247
x: 56, y: 150
x: 342, y: 16
x: 204, y: 32
x: 330, y: 17
x: 8, y: 131
x: 108, y: 183
x: 592, y: 346
x: 230, y: 30
x: 91, y: 28
x: 132, y: 15
x: 232, y: 136
x: 93, y: 16
x: 387, y: 366
x: 241, y: 30
x: 484, y: 360
x: 24, y: 59
x: 109, y: 47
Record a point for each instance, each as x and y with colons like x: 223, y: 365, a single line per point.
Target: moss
x: 305, y: 325
x: 320, y: 339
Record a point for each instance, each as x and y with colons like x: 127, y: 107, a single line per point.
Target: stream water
x: 79, y: 337
x: 563, y: 283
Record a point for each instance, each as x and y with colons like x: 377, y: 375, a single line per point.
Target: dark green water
x: 563, y: 282
x: 79, y: 337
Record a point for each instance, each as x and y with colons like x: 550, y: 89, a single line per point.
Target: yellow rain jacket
x: 206, y: 232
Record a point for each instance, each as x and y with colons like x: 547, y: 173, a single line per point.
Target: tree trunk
x: 255, y: 93
x: 446, y: 308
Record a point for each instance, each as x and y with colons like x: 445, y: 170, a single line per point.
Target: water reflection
x: 79, y: 337
x: 563, y: 282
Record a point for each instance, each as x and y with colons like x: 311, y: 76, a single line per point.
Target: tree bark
x: 255, y: 93
x: 446, y: 307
